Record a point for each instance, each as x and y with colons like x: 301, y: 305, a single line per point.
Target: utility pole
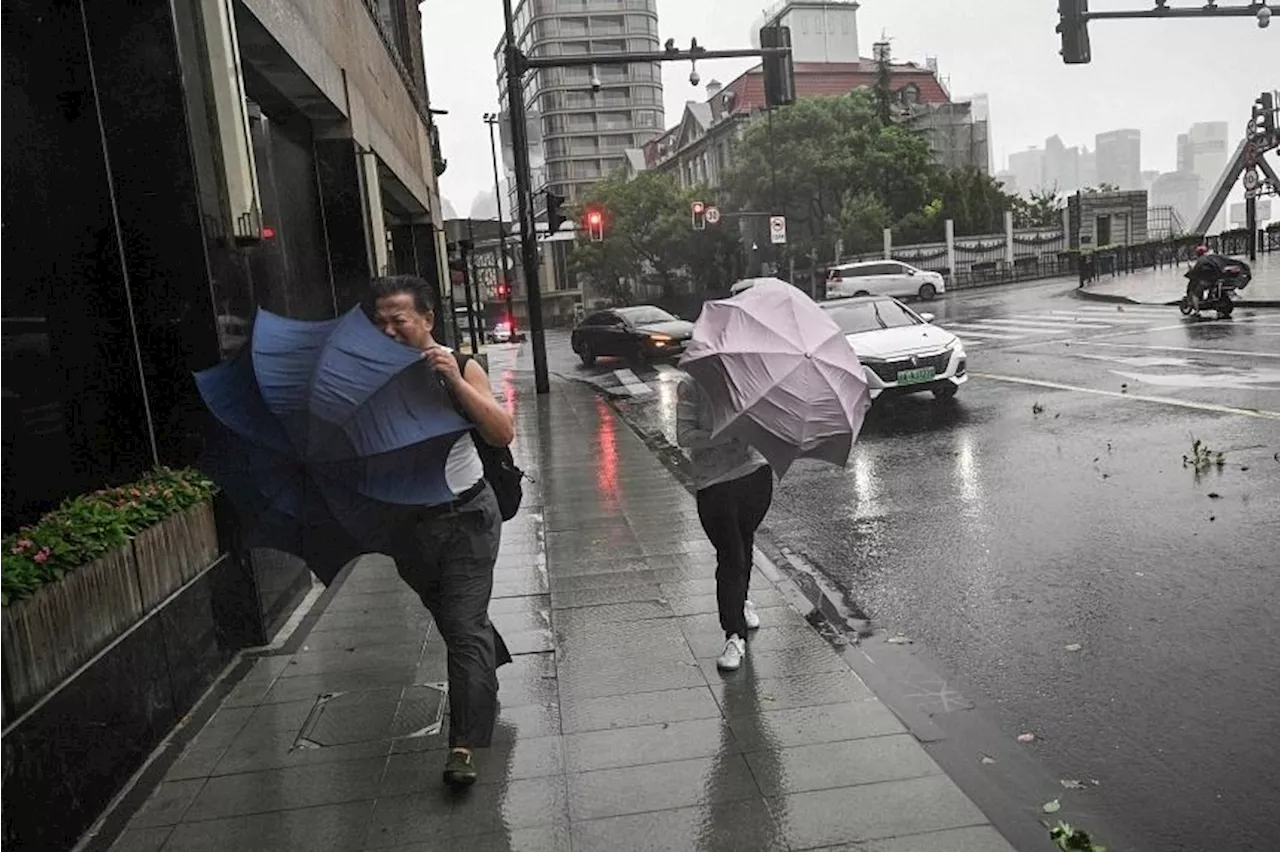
x: 516, y: 65
x: 492, y: 119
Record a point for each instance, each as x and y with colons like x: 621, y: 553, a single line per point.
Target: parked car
x: 900, y: 350
x: 638, y: 334
x: 883, y: 278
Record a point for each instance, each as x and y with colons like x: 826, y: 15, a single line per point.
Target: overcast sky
x: 1157, y: 76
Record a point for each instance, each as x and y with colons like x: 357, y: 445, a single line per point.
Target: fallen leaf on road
x: 1071, y: 784
x: 988, y: 759
x: 1244, y: 467
x: 1139, y: 574
x: 898, y: 640
x: 1074, y: 646
x: 1214, y: 495
x: 1052, y: 807
x: 1026, y: 738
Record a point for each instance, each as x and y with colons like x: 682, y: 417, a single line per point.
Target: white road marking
x: 1181, y: 349
x: 1100, y: 318
x: 1056, y: 324
x: 1159, y: 400
x: 1024, y: 328
x: 969, y: 333
x: 1155, y: 310
x: 632, y: 382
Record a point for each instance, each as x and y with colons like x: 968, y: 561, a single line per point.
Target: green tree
x: 825, y: 152
x: 842, y: 171
x: 648, y: 236
x: 1042, y: 210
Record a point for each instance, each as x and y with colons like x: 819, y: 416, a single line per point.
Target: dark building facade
x: 170, y: 166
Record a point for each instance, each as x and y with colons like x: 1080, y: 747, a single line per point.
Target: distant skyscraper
x: 1028, y: 170
x: 1061, y: 166
x: 1207, y: 154
x: 1119, y: 155
x: 579, y: 132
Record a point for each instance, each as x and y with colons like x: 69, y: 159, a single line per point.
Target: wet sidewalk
x: 616, y: 732
x: 1165, y: 286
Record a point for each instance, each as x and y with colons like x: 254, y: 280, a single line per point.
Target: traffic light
x: 595, y: 225
x: 1073, y: 26
x: 699, y: 216
x: 555, y: 217
x: 1264, y: 118
x: 779, y: 69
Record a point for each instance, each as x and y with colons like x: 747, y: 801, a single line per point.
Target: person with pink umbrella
x: 734, y: 487
x: 772, y: 379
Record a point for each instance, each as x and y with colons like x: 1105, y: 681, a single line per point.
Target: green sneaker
x: 459, y: 771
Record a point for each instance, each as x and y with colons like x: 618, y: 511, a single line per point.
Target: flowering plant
x: 84, y: 528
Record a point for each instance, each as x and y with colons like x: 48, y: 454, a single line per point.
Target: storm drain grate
x: 345, y: 718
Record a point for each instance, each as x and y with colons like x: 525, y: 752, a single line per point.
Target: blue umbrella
x: 325, y: 430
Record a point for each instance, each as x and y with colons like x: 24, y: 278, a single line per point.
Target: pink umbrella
x: 779, y: 374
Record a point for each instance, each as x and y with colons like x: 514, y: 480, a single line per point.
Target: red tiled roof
x: 814, y: 79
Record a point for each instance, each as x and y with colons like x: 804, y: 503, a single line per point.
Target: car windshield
x: 645, y: 315
x: 870, y: 315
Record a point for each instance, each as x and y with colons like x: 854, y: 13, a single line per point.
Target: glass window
x: 573, y: 26
x: 645, y: 315
x: 609, y: 46
x: 608, y: 25
x: 871, y: 315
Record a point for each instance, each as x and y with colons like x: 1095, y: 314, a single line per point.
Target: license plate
x: 915, y: 377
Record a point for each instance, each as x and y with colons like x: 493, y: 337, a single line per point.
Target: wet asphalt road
x: 1048, y: 507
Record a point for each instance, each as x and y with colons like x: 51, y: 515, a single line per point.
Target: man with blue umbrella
x: 446, y: 551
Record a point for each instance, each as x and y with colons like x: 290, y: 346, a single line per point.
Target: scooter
x: 1218, y: 278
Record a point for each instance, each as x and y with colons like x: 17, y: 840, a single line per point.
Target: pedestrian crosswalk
x: 1008, y: 328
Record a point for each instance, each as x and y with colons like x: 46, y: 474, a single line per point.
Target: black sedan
x: 638, y: 334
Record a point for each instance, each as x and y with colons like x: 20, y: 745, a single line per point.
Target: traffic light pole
x: 517, y: 64
x: 492, y: 120
x: 524, y: 201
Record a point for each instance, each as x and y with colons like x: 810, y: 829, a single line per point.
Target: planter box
x: 173, y: 552
x: 52, y: 633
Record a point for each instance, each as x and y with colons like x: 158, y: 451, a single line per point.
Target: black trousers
x: 448, y: 560
x: 730, y: 513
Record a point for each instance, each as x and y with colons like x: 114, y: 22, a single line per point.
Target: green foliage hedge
x: 84, y: 528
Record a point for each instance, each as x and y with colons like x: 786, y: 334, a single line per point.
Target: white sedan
x: 900, y: 350
x: 884, y: 278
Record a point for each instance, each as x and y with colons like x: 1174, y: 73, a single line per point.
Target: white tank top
x: 463, y: 468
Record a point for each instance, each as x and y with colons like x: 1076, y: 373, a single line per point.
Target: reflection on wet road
x: 1052, y: 509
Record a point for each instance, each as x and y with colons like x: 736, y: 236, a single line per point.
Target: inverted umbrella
x: 779, y: 374
x: 326, y: 431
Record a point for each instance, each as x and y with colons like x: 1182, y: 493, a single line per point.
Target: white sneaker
x: 752, y: 619
x: 731, y: 657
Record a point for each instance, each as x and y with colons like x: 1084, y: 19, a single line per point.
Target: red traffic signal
x: 595, y: 225
x: 699, y: 216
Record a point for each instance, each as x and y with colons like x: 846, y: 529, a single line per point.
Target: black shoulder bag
x: 499, y: 465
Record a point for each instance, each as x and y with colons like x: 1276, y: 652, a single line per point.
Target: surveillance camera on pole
x: 1264, y: 17
x: 595, y: 79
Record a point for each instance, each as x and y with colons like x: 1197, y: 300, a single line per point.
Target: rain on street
x: 1046, y: 543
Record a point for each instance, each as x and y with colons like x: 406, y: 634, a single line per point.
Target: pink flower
x: 43, y: 556
x: 133, y: 492
x: 25, y: 542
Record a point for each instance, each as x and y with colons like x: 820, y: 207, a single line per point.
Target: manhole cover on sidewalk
x: 343, y: 718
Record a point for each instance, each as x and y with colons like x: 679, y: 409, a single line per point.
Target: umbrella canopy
x: 779, y: 374
x: 324, y: 428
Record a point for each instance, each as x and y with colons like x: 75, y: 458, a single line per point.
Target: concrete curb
x: 1116, y: 299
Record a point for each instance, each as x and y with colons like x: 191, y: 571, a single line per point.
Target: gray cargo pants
x: 447, y: 557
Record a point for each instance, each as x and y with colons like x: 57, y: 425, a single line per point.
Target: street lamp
x: 492, y: 120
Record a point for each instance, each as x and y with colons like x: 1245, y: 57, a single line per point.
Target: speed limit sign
x: 712, y: 215
x: 1251, y: 179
